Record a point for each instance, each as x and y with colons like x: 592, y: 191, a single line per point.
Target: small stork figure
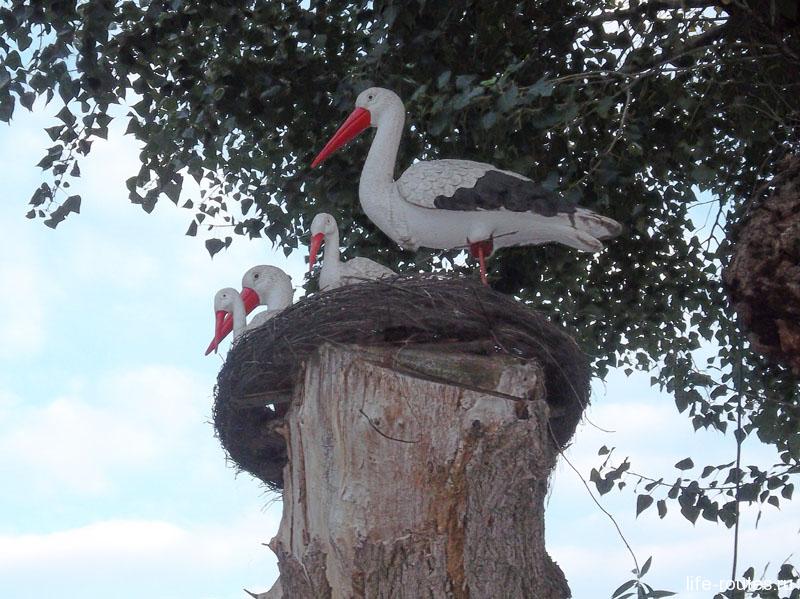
x: 334, y: 272
x: 446, y: 204
x: 273, y: 288
x: 228, y: 303
x: 262, y: 285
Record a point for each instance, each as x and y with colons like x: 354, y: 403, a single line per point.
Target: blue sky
x: 113, y: 483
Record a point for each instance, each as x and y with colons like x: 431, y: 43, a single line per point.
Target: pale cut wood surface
x: 401, y: 486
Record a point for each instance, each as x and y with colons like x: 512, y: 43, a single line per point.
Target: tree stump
x: 401, y: 486
x: 412, y: 425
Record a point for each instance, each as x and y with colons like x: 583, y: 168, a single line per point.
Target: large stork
x: 446, y: 204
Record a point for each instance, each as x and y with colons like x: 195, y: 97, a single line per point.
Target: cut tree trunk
x: 416, y: 473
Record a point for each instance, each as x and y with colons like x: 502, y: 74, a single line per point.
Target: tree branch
x: 651, y: 8
x: 693, y: 44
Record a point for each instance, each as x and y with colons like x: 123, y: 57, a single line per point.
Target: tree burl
x: 763, y: 278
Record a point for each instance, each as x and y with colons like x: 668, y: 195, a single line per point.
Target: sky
x: 113, y: 482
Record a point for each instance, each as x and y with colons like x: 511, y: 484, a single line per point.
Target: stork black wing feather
x: 497, y: 190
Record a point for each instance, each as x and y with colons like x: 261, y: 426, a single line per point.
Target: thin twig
x: 739, y: 439
x: 380, y: 432
x: 595, y: 500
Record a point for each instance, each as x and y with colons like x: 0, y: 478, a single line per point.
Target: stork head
x: 379, y: 101
x: 223, y: 304
x: 225, y: 299
x: 257, y: 282
x: 322, y: 226
x: 260, y: 285
x: 373, y: 105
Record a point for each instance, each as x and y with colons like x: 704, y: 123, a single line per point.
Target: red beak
x: 221, y: 314
x: 225, y: 321
x: 358, y: 120
x: 316, y: 242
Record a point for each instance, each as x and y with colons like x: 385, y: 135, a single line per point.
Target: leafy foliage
x: 635, y: 587
x: 630, y: 109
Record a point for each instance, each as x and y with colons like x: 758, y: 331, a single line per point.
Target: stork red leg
x: 480, y: 250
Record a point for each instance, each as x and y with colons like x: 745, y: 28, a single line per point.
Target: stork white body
x: 334, y: 272
x: 445, y: 204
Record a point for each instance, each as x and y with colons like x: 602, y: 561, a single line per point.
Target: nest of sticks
x: 763, y: 277
x: 254, y: 387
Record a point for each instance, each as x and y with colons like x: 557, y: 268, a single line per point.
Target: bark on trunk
x: 763, y: 277
x: 401, y: 485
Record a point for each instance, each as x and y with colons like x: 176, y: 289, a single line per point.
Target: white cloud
x: 8, y: 401
x: 22, y: 328
x: 133, y: 420
x: 97, y: 258
x: 138, y: 558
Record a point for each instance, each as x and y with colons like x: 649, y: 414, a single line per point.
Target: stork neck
x: 378, y: 173
x: 330, y: 253
x: 279, y: 295
x: 239, y: 316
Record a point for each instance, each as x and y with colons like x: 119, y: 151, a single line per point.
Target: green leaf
x: 748, y: 492
x: 642, y: 503
x: 27, y: 99
x: 541, y: 88
x: 464, y: 81
x: 12, y: 60
x: 787, y: 491
x: 509, y: 99
x: 685, y: 464
x: 72, y: 204
x: 646, y: 567
x: 690, y: 512
x: 622, y: 588
x: 66, y: 116
x: 6, y: 109
x: 214, y: 246
x: 604, y: 105
x: 787, y: 572
x: 488, y: 120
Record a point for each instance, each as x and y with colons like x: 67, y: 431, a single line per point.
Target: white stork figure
x: 262, y: 285
x: 228, y: 303
x: 273, y: 288
x: 334, y: 272
x: 446, y: 204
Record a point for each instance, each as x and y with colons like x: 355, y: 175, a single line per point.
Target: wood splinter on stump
x: 414, y: 470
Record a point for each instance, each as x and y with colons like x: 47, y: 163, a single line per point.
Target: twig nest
x: 455, y: 314
x: 763, y: 278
